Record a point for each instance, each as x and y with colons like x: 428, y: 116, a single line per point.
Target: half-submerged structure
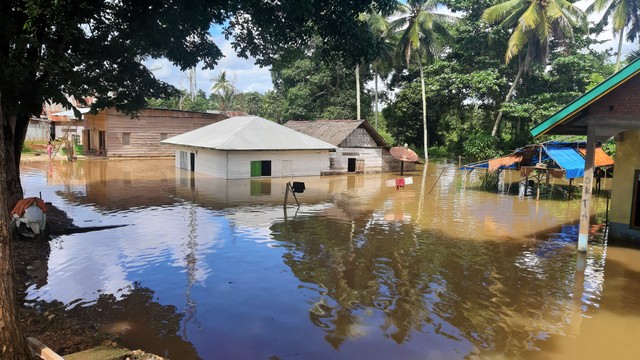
x: 611, y: 109
x: 552, y: 159
x: 244, y: 147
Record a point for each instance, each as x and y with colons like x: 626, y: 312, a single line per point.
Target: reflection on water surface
x: 209, y: 268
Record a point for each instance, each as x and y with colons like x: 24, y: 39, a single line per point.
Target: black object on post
x: 298, y: 187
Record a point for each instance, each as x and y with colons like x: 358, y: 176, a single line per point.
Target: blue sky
x: 247, y: 76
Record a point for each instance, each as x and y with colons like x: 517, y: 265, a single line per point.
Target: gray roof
x: 248, y: 133
x: 334, y: 131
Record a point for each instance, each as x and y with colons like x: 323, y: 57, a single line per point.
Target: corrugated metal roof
x: 568, y: 112
x: 334, y: 131
x: 248, y: 133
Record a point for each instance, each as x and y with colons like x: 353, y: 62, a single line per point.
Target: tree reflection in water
x: 406, y: 281
x: 144, y: 320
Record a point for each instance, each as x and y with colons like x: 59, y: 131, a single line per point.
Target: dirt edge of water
x: 50, y: 322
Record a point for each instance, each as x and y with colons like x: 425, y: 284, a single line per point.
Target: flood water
x: 215, y: 269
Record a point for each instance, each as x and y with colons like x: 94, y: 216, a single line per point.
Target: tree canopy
x: 51, y: 49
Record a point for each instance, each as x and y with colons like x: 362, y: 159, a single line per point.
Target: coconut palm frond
x: 620, y: 16
x: 500, y: 11
x: 517, y: 42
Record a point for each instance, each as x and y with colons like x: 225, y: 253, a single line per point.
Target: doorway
x: 351, y: 165
x: 193, y: 162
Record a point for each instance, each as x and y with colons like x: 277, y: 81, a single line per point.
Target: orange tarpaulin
x: 508, y: 160
x: 602, y: 159
x: 25, y: 203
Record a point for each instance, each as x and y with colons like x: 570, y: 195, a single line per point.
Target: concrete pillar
x: 587, y: 185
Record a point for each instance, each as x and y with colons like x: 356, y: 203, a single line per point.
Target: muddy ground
x: 64, y: 331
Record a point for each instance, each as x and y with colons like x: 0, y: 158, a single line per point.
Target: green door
x: 256, y: 168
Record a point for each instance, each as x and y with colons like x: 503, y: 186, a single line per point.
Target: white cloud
x: 244, y: 73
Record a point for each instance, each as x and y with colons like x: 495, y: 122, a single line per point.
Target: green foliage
x: 610, y: 147
x: 481, y: 146
x: 27, y: 149
x: 439, y: 152
x: 310, y: 88
x: 489, y: 181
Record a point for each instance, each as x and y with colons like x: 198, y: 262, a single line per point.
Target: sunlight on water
x: 208, y: 268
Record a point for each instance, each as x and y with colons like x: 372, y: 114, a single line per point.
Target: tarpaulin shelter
x: 555, y: 157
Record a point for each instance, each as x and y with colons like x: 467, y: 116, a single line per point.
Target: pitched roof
x: 574, y: 108
x: 248, y: 133
x: 334, y: 131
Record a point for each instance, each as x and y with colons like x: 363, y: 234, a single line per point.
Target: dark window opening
x: 635, y: 207
x: 351, y: 165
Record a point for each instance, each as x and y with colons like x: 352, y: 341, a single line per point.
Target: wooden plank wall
x: 359, y: 138
x: 146, y: 131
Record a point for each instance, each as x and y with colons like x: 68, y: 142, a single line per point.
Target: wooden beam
x: 40, y: 350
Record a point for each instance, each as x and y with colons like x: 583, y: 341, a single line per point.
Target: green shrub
x: 481, y: 147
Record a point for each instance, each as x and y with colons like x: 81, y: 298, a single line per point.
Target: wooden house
x: 611, y: 109
x: 115, y: 134
x: 359, y: 147
x: 243, y: 147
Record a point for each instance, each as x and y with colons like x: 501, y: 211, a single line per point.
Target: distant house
x: 360, y: 148
x: 115, y: 134
x: 58, y: 122
x: 244, y: 147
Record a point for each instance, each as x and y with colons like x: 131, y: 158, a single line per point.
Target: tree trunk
x: 376, y: 98
x: 12, y: 342
x: 424, y: 113
x: 358, y: 91
x: 619, y: 49
x: 496, y: 125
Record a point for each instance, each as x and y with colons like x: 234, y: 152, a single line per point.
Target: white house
x: 244, y: 147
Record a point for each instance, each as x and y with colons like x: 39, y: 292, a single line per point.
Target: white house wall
x: 303, y: 162
x: 65, y: 129
x: 237, y: 164
x: 212, y: 162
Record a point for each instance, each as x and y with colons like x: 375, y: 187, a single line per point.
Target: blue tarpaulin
x: 568, y: 158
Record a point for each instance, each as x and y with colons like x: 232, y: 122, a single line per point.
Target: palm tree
x: 422, y: 32
x: 622, y: 13
x: 386, y: 42
x: 223, y: 92
x: 534, y: 24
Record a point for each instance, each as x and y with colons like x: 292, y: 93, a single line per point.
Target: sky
x: 247, y: 76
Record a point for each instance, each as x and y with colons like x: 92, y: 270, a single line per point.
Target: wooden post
x: 570, y: 187
x: 585, y: 203
x: 401, y: 167
x: 40, y: 350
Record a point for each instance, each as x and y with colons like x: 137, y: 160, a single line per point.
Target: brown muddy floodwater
x: 215, y: 269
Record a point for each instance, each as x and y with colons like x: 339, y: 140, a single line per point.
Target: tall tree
x: 383, y: 60
x: 422, y: 33
x: 53, y: 48
x: 534, y: 24
x: 622, y: 14
x: 223, y: 92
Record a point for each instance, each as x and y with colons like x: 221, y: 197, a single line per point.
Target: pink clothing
x: 49, y: 149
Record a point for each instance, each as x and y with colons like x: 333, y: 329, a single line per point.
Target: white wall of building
x: 237, y: 164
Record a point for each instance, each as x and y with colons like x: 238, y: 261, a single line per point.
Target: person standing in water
x: 49, y: 149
